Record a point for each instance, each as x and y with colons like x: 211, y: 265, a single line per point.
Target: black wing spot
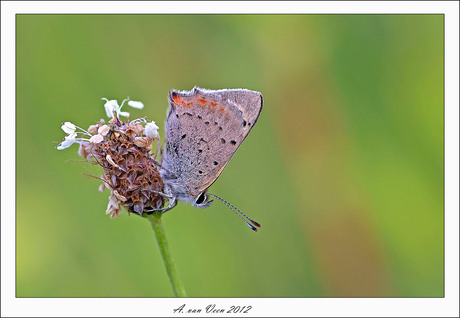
x: 199, y: 117
x: 215, y: 163
x: 244, y: 123
x: 233, y: 142
x: 200, y: 172
x: 249, y: 124
x: 183, y: 136
x: 177, y: 115
x: 186, y: 113
x: 215, y: 123
x: 200, y: 150
x: 220, y: 127
x: 206, y: 122
x: 222, y: 140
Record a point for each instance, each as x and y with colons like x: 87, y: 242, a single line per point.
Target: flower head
x: 123, y: 150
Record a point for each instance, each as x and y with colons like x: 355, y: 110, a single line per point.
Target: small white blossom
x: 96, y: 139
x: 151, y: 130
x: 113, y: 203
x: 136, y: 104
x: 110, y: 107
x: 113, y: 208
x: 103, y: 130
x: 68, y: 127
x: 69, y: 140
x: 93, y: 129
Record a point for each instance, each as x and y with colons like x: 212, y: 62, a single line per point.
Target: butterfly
x: 203, y: 130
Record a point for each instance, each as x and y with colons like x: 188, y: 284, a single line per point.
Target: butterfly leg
x: 156, y: 153
x: 156, y: 162
x: 159, y: 165
x: 162, y: 194
x: 163, y: 210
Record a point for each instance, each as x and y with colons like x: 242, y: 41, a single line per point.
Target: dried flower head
x: 123, y: 150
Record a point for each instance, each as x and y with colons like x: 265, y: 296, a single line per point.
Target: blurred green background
x: 344, y: 169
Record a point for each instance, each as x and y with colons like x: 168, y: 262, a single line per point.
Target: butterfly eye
x: 201, y: 198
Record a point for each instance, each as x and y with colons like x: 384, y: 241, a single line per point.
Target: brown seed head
x: 129, y: 172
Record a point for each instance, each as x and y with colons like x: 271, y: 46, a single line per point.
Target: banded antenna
x: 242, y: 216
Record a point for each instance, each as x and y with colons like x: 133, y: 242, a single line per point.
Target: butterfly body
x: 203, y: 130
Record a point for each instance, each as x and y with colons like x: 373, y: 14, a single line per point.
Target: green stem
x: 157, y: 226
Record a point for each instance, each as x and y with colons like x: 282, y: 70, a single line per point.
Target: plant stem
x: 157, y: 226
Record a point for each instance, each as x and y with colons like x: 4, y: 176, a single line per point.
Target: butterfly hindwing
x: 204, y: 128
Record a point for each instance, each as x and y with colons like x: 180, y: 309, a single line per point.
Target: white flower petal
x: 151, y: 130
x: 108, y: 110
x: 113, y: 200
x: 124, y: 114
x: 136, y: 104
x: 65, y: 144
x: 96, y: 139
x: 109, y: 208
x: 68, y: 127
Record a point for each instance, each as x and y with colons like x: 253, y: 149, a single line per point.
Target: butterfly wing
x: 204, y: 128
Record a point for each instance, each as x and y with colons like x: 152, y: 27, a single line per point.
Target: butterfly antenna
x: 242, y: 216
